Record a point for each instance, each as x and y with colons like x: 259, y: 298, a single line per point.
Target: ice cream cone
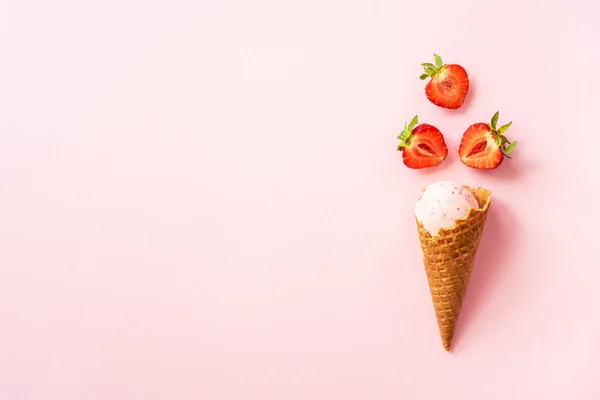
x: 449, y: 259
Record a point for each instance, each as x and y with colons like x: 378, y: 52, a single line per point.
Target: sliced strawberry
x: 449, y: 83
x: 483, y: 146
x: 422, y: 146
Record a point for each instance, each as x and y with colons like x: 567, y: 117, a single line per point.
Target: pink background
x: 202, y: 200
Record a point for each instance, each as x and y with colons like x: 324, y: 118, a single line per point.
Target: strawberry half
x: 483, y: 146
x: 422, y: 146
x: 449, y: 83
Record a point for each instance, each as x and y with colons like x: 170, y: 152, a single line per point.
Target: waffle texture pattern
x: 449, y: 259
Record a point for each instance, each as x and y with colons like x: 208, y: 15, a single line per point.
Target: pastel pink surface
x: 202, y: 200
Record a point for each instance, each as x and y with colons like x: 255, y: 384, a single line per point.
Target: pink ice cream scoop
x: 442, y: 203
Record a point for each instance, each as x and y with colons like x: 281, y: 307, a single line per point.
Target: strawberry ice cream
x: 443, y: 203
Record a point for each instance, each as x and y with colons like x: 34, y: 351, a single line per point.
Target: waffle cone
x: 449, y: 259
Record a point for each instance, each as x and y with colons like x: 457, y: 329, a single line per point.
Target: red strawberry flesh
x: 478, y: 148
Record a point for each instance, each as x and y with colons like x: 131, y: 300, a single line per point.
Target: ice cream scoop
x: 442, y: 203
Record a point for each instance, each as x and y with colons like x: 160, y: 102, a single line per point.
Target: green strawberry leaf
x: 424, y: 76
x: 511, y: 147
x: 413, y: 123
x: 506, y: 151
x: 495, y: 120
x: 402, y: 135
x: 504, y: 128
x: 430, y: 69
x: 438, y: 61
